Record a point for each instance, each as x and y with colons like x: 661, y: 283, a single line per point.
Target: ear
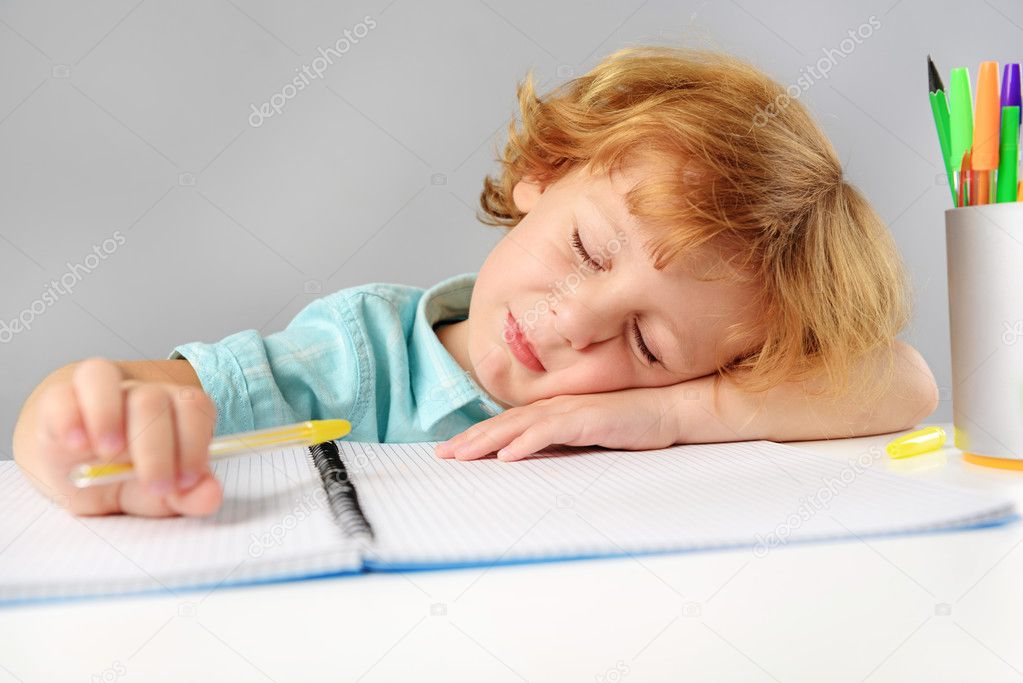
x: 526, y: 193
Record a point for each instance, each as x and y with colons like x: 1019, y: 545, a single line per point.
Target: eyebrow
x: 616, y: 227
x: 686, y: 355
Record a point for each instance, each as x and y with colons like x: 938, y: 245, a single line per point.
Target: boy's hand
x: 633, y: 419
x: 164, y: 429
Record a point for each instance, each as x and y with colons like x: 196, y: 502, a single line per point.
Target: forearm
x: 714, y: 410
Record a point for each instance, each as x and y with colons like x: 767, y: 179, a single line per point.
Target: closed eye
x: 638, y: 336
x: 577, y: 244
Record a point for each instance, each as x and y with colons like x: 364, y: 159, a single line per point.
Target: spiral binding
x: 341, y: 495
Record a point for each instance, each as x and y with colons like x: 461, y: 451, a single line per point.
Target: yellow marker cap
x: 915, y: 443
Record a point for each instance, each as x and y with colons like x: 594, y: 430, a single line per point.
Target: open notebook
x: 398, y: 507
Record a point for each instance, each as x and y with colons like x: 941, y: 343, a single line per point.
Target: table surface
x: 935, y: 607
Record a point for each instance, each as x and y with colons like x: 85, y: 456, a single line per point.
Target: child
x: 682, y: 268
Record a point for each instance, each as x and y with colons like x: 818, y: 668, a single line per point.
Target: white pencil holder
x: 984, y: 253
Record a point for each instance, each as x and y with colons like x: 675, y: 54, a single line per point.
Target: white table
x: 938, y: 607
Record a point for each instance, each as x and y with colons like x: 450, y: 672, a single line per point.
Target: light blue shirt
x: 366, y: 354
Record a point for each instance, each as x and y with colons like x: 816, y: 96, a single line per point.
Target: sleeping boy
x: 675, y: 269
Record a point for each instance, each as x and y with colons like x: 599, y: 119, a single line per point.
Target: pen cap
x: 1008, y: 151
x: 1010, y: 86
x: 960, y: 109
x: 915, y: 443
x: 986, y: 122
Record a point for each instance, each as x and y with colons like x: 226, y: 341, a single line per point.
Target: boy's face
x: 543, y: 321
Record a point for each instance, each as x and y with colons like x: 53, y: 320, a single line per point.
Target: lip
x: 520, y: 346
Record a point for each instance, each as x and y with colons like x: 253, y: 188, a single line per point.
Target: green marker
x: 960, y: 104
x: 1008, y: 155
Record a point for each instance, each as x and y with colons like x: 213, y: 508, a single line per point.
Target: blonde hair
x: 747, y: 170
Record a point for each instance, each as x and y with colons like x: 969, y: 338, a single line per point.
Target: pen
x: 984, y: 159
x: 308, y: 433
x: 939, y: 108
x: 1008, y: 144
x: 960, y: 109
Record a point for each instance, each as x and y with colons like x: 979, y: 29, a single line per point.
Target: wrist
x: 691, y: 405
x: 713, y: 410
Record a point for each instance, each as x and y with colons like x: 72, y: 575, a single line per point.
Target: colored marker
x: 960, y: 109
x: 1008, y: 144
x: 939, y: 108
x: 984, y: 158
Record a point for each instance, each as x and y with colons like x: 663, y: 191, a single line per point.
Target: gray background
x: 134, y: 117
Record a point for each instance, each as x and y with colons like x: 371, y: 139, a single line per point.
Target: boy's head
x: 727, y: 235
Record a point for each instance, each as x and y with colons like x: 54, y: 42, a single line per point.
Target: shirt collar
x: 439, y: 384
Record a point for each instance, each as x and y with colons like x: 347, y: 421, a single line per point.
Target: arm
x: 702, y: 410
x: 790, y: 413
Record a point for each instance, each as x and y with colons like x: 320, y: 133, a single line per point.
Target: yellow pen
x: 915, y: 443
x: 308, y: 433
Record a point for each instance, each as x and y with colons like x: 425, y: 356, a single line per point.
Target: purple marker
x: 1006, y: 189
x: 1010, y: 86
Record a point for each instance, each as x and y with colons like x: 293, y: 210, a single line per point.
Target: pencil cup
x: 984, y: 251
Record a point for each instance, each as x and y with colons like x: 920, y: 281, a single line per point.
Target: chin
x: 500, y: 393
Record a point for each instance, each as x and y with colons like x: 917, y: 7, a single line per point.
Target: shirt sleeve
x: 308, y: 371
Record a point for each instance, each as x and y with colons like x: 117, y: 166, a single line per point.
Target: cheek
x: 598, y: 373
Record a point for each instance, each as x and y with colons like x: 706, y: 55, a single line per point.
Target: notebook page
x: 274, y: 523
x: 583, y: 502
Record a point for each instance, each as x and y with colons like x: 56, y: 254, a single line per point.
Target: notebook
x: 348, y: 508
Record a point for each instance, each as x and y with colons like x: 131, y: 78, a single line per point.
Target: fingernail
x: 111, y: 444
x: 76, y: 437
x: 187, y: 480
x: 502, y: 454
x: 160, y: 487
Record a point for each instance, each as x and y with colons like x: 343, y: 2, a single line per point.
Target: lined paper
x: 585, y: 502
x: 273, y: 524
x: 425, y: 512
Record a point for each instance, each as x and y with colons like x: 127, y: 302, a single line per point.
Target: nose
x: 582, y: 322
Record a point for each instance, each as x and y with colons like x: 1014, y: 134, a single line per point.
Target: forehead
x: 604, y: 194
x: 700, y: 292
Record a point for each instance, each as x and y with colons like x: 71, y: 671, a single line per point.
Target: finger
x: 537, y: 437
x: 490, y: 438
x: 97, y: 384
x: 60, y: 422
x: 194, y: 421
x: 202, y: 499
x: 151, y: 437
x: 449, y: 448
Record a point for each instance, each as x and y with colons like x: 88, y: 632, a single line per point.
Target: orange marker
x: 1019, y: 192
x: 987, y: 115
